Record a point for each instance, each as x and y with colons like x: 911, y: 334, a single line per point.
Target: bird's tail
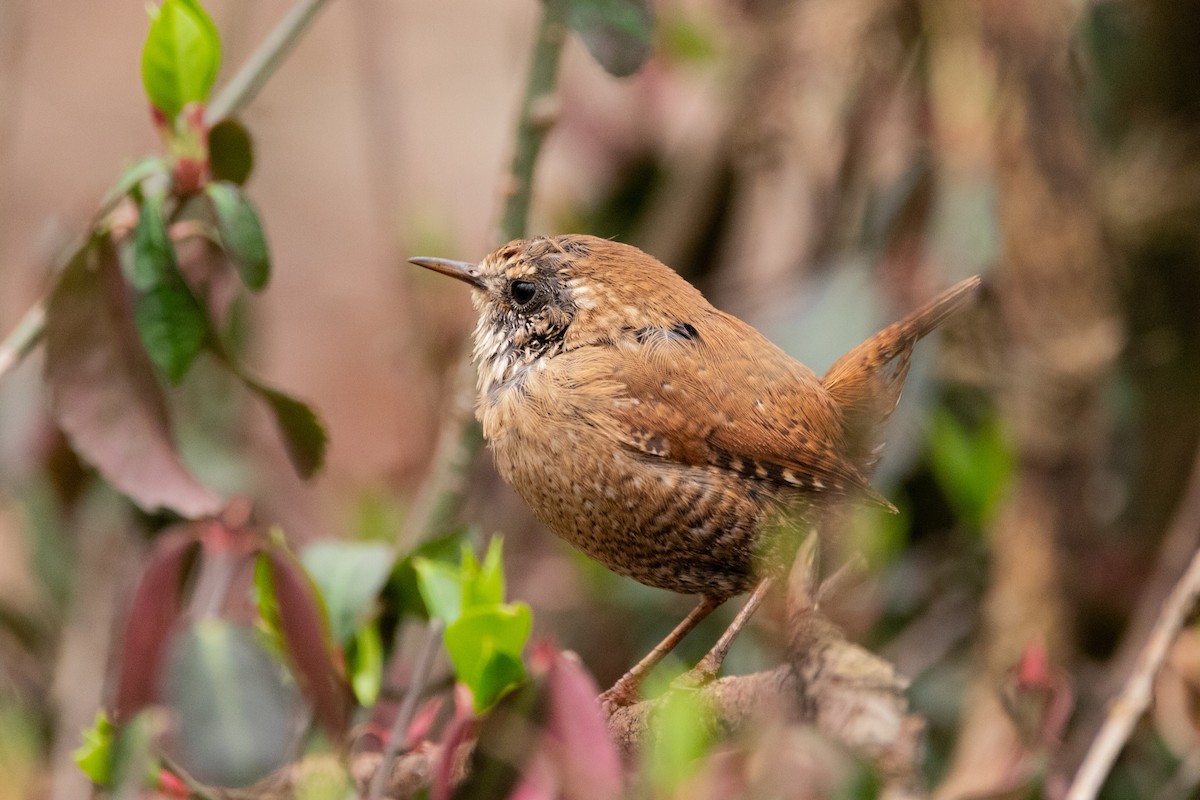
x: 866, y: 382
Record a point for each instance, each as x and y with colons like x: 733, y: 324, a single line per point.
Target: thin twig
x: 408, y: 708
x: 538, y: 113
x: 233, y: 97
x: 1134, y: 698
x: 24, y: 337
x: 262, y: 63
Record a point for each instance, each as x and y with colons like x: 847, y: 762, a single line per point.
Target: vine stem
x: 460, y: 439
x: 235, y: 95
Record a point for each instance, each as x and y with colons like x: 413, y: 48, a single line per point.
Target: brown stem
x: 1131, y: 703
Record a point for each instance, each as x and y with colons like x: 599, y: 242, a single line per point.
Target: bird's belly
x: 665, y: 525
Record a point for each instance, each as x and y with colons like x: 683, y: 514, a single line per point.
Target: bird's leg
x: 625, y: 691
x: 708, y: 667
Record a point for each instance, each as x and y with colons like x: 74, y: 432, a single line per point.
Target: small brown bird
x: 660, y: 435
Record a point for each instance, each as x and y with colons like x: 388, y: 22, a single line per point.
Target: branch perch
x: 844, y: 691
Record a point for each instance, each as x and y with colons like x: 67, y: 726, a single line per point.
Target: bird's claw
x: 619, y: 696
x: 695, y: 678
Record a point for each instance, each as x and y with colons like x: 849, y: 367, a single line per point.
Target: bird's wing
x: 715, y: 393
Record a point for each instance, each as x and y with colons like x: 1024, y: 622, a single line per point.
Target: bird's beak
x: 467, y: 273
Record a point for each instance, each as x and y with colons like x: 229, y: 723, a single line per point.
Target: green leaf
x: 132, y: 176
x: 501, y: 673
x: 153, y: 251
x: 366, y: 665
x: 94, y: 756
x: 683, y: 736
x: 233, y: 709
x: 684, y: 39
x: 483, y: 585
x: 241, y: 233
x: 485, y: 648
x: 618, y: 33
x: 171, y: 325
x: 170, y: 321
x: 441, y: 588
x: 303, y: 434
x: 135, y: 766
x: 404, y: 588
x: 230, y: 152
x: 350, y: 576
x: 267, y: 604
x: 181, y: 56
x: 973, y: 467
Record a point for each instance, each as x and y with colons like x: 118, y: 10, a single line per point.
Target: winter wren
x: 658, y: 434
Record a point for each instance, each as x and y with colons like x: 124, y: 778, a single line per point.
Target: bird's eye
x: 522, y: 293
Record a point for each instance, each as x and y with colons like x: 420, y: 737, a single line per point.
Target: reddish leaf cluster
x: 186, y: 582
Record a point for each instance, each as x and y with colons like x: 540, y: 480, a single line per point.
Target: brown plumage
x: 656, y: 433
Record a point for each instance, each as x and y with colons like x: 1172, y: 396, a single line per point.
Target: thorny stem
x: 241, y: 89
x: 460, y: 439
x: 407, y: 709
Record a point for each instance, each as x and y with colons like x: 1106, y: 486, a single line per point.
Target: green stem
x: 258, y: 69
x: 440, y: 500
x: 24, y: 337
x: 233, y: 97
x: 538, y: 113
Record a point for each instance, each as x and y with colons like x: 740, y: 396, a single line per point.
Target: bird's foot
x: 698, y: 676
x: 623, y: 693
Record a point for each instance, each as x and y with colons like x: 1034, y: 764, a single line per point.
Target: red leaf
x: 104, y: 393
x: 156, y: 606
x: 577, y: 740
x: 460, y: 730
x: 306, y: 637
x: 422, y: 723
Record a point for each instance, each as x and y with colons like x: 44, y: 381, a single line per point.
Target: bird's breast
x: 663, y: 524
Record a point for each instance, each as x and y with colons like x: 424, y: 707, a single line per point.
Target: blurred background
x: 818, y: 167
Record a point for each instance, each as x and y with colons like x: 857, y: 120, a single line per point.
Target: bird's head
x: 539, y: 297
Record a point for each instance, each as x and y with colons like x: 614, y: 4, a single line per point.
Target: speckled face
x: 525, y: 304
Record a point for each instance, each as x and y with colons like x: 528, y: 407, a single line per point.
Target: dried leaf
x: 103, y: 391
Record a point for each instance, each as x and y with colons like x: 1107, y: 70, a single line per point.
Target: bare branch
x: 405, y: 715
x: 1134, y: 698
